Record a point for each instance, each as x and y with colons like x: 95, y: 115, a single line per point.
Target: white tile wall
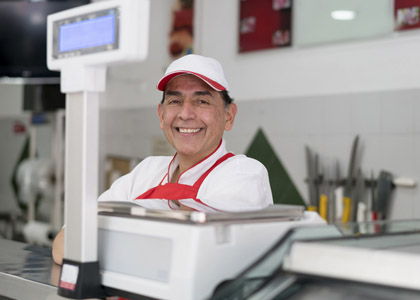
x: 388, y: 124
x: 398, y: 154
x: 416, y: 112
x: 416, y: 163
x: 337, y: 115
x: 365, y: 113
x: 398, y: 114
x: 402, y: 204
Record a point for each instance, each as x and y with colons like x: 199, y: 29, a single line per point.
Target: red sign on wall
x: 19, y: 127
x: 264, y: 24
x: 407, y: 14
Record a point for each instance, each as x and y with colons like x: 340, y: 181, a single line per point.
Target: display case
x: 335, y: 262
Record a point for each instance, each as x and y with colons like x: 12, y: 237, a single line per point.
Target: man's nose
x: 187, y: 111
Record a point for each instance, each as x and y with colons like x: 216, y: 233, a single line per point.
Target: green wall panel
x: 283, y: 189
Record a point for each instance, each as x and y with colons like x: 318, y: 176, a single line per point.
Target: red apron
x: 178, y: 191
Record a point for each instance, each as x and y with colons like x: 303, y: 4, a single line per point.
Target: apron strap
x: 218, y: 162
x: 178, y: 191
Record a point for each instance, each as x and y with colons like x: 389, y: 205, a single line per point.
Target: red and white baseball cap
x: 206, y: 68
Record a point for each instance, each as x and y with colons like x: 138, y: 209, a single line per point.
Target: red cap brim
x: 165, y: 79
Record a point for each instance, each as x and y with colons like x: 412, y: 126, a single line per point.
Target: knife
x: 311, y: 179
x: 360, y: 203
x: 374, y: 199
x: 338, y: 195
x: 317, y: 179
x: 384, y: 193
x: 323, y: 188
x: 347, y: 206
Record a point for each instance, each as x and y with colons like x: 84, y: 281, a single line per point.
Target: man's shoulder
x: 239, y: 183
x: 245, y: 161
x: 241, y: 163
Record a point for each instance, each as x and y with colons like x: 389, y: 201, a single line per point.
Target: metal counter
x: 27, y: 272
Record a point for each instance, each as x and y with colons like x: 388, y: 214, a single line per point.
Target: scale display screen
x: 86, y: 34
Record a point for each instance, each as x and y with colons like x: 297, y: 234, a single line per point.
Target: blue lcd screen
x: 95, y: 32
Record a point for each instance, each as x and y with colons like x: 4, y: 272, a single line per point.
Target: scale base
x: 80, y: 280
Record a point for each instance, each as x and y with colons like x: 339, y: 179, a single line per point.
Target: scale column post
x: 80, y: 276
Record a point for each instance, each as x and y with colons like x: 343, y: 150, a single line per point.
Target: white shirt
x: 239, y: 183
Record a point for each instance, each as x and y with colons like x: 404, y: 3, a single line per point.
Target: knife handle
x: 323, y: 200
x: 346, y: 209
x: 312, y: 208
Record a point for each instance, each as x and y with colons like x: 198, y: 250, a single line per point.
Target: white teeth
x: 189, y: 130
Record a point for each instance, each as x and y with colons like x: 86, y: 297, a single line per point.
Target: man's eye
x: 202, y: 101
x: 174, y: 101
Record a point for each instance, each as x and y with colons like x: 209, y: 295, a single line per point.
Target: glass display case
x: 352, y: 261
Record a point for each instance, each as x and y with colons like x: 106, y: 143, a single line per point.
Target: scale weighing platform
x: 181, y: 254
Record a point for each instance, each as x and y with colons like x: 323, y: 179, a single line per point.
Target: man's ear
x: 160, y: 114
x: 230, y: 116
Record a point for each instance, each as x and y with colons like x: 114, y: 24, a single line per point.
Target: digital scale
x: 155, y: 254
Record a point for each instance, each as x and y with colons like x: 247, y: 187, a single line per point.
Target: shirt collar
x: 191, y: 175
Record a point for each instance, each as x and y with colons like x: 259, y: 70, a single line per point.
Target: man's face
x: 193, y: 117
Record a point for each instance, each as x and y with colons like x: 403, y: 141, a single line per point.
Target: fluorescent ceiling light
x: 343, y: 15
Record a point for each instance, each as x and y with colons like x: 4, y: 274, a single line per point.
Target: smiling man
x: 194, y: 113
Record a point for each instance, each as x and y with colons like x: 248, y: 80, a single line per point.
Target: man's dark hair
x: 225, y: 96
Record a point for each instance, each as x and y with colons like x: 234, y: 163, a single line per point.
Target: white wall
x: 387, y: 63
x: 11, y: 100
